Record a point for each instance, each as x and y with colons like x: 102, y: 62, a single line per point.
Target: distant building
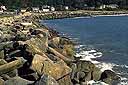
x: 102, y: 7
x: 2, y: 8
x: 23, y: 10
x: 112, y: 6
x: 45, y: 8
x: 66, y: 7
x: 52, y: 8
x: 35, y: 9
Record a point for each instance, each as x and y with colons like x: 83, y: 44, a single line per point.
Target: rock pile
x: 31, y: 54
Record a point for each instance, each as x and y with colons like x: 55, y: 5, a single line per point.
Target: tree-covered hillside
x: 70, y: 3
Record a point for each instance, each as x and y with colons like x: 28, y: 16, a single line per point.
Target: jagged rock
x: 1, y: 54
x: 12, y: 73
x: 55, y: 42
x: 65, y: 80
x: 42, y: 64
x: 83, y: 71
x: 2, y: 61
x: 109, y: 76
x: 17, y: 81
x: 37, y: 45
x: 96, y: 74
x: 68, y: 50
x: 1, y: 81
x: 46, y: 80
x: 6, y: 45
x: 65, y: 41
x: 31, y: 77
x: 59, y: 55
x: 11, y: 66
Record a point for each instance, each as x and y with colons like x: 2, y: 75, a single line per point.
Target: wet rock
x: 68, y: 50
x: 109, y: 76
x: 17, y: 81
x: 46, y: 80
x: 83, y: 71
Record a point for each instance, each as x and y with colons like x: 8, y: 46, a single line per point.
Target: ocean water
x: 102, y: 40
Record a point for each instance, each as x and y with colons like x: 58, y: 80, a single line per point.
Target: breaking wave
x: 90, y: 54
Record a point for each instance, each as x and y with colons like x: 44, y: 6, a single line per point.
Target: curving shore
x: 80, y: 13
x: 33, y: 54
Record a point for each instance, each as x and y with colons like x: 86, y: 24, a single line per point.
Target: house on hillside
x: 66, y: 8
x: 35, y: 9
x: 48, y: 8
x: 45, y: 8
x: 112, y: 6
x: 102, y: 7
x: 52, y: 9
x: 2, y: 8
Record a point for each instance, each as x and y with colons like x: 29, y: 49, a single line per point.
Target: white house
x: 66, y: 8
x: 112, y: 6
x: 35, y: 9
x: 52, y: 8
x: 102, y: 7
x: 2, y: 8
x: 45, y: 8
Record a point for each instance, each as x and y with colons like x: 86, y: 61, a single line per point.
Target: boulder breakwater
x: 32, y: 54
x: 80, y: 13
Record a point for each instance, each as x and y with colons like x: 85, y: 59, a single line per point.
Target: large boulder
x: 46, y: 80
x: 8, y: 67
x: 37, y: 45
x: 17, y: 81
x: 64, y: 46
x: 109, y: 77
x: 69, y: 51
x: 58, y: 70
x: 84, y: 71
x: 1, y: 81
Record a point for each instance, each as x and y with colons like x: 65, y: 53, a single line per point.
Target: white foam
x: 81, y: 17
x: 92, y: 82
x: 92, y: 54
x: 88, y: 55
x: 112, y: 15
x: 124, y: 66
x: 105, y: 66
x: 124, y: 81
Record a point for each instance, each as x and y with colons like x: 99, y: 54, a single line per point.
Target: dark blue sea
x: 102, y: 40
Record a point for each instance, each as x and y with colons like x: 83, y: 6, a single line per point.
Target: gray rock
x: 1, y: 81
x: 1, y: 54
x: 109, y: 77
x: 17, y: 81
x: 46, y: 80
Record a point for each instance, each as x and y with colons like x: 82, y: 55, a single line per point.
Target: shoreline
x: 81, y: 13
x: 36, y: 53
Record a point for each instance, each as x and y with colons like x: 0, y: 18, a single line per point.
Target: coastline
x: 80, y: 13
x: 43, y: 46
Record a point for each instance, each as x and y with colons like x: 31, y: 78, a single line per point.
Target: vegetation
x: 71, y: 3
